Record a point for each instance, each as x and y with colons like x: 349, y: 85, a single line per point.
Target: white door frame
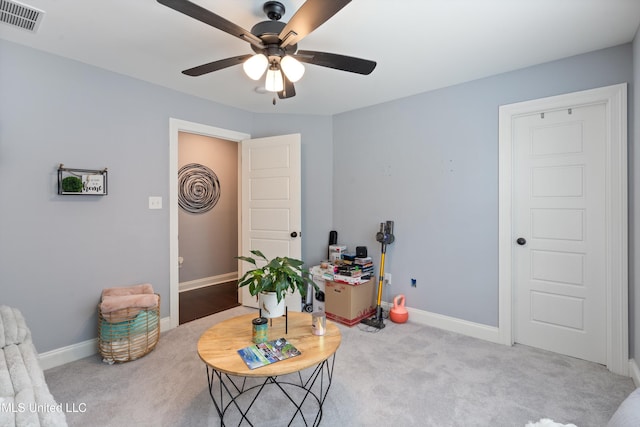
x: 176, y: 126
x: 615, y: 99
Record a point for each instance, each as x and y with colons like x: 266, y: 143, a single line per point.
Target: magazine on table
x: 265, y: 353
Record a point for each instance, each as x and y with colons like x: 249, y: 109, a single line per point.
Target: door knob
x: 521, y: 241
x: 294, y: 234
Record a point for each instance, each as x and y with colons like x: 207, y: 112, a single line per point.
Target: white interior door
x: 559, y: 207
x: 547, y: 225
x: 271, y: 203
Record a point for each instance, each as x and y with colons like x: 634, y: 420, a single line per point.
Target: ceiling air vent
x: 20, y: 15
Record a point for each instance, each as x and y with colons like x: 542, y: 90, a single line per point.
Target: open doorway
x: 207, y: 225
x: 175, y: 128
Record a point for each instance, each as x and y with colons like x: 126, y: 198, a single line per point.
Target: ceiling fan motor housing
x: 268, y: 32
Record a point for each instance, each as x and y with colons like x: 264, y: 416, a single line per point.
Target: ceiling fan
x: 275, y: 44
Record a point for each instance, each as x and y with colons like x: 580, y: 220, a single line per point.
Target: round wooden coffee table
x: 302, y: 380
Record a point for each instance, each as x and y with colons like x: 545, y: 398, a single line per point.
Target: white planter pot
x: 268, y: 302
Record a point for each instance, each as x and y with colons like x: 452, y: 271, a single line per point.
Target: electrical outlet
x: 387, y: 278
x: 155, y: 202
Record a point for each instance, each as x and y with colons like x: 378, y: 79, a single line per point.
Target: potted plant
x: 274, y: 280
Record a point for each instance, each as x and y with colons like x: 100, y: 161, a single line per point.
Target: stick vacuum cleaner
x: 385, y: 237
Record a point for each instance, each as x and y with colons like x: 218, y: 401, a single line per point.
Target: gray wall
x: 58, y: 252
x: 430, y: 163
x: 208, y: 241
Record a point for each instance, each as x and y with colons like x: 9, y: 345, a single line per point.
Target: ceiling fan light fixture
x: 274, y: 43
x: 255, y: 66
x: 292, y: 68
x: 274, y: 81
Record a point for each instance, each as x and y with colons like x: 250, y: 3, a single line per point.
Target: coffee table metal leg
x: 230, y: 391
x: 233, y: 390
x: 324, y: 369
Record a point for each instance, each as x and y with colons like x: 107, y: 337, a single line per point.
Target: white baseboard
x: 477, y: 330
x: 207, y: 281
x: 165, y: 324
x: 71, y: 353
x: 61, y: 356
x: 452, y: 324
x: 634, y: 372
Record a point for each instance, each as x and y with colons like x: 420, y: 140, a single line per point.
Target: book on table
x: 266, y: 353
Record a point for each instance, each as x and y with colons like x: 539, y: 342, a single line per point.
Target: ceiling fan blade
x: 210, y: 18
x: 338, y: 62
x: 216, y: 65
x: 289, y: 90
x: 310, y: 16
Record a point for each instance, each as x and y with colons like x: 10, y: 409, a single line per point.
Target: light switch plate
x: 155, y: 202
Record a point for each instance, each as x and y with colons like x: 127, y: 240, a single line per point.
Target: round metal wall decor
x: 198, y: 188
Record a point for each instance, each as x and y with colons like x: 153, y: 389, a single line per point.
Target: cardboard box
x: 349, y: 304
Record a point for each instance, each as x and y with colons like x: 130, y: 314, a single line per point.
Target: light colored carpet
x: 403, y: 375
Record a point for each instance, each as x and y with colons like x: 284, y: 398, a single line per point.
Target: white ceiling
x: 419, y: 45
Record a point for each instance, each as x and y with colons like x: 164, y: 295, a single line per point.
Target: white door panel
x: 557, y: 267
x: 271, y: 199
x: 559, y: 208
x: 557, y: 310
x: 559, y: 224
x: 557, y: 181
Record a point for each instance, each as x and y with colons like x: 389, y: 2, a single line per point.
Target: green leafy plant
x: 72, y: 184
x: 280, y: 275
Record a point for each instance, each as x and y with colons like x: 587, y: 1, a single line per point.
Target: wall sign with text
x: 92, y: 182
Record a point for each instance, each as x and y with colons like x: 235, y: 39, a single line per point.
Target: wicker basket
x: 129, y: 333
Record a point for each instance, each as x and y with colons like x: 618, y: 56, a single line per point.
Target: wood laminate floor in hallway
x: 209, y: 300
